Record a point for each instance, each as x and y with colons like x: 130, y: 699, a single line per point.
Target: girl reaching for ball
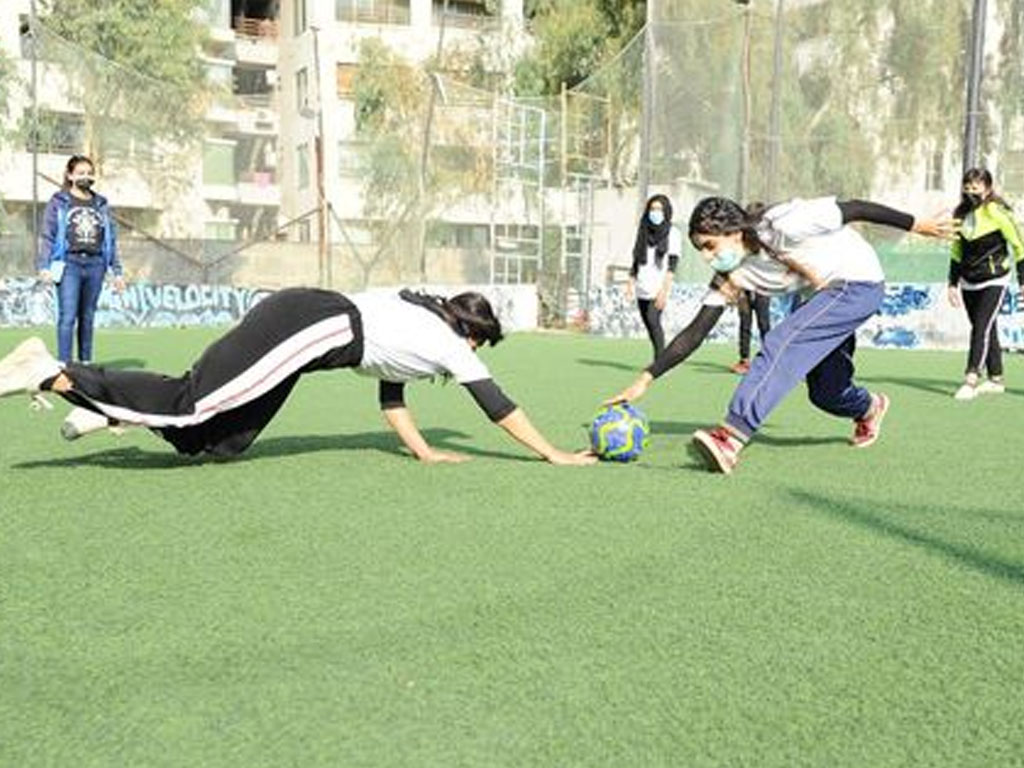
x: 798, y: 245
x: 240, y: 382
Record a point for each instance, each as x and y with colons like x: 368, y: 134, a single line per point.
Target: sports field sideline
x: 326, y: 600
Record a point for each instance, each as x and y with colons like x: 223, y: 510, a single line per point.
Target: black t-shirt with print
x: 85, y: 228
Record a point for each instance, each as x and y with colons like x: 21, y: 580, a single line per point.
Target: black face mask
x: 84, y: 184
x: 973, y: 200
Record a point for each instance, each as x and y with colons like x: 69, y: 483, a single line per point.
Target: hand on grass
x: 577, y: 459
x: 443, y: 457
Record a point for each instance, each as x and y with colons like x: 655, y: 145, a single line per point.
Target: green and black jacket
x: 981, y: 251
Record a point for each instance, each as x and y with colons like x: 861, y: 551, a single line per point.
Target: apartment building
x: 282, y: 73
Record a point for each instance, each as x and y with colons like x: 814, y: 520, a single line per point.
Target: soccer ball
x: 619, y: 433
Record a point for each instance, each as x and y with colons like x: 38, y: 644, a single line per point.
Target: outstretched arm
x: 875, y: 213
x: 509, y: 417
x: 680, y: 348
x: 522, y: 430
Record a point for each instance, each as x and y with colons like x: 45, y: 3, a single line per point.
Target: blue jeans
x: 78, y: 293
x: 815, y: 343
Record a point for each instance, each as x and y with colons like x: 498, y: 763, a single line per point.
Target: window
x: 300, y: 22
x: 302, y: 90
x: 372, y: 11
x: 219, y: 162
x: 1013, y: 172
x: 57, y: 133
x: 302, y: 163
x: 346, y: 75
x: 350, y: 158
x: 933, y: 180
x: 220, y: 230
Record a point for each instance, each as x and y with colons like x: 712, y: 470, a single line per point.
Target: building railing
x: 266, y: 29
x: 379, y: 13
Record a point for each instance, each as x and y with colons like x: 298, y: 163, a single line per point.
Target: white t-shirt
x: 649, y: 276
x: 403, y: 342
x: 811, y: 233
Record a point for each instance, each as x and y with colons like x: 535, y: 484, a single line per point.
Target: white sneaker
x: 990, y: 387
x: 82, y: 421
x: 28, y: 366
x: 966, y: 392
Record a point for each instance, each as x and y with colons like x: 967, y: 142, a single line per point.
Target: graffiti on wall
x: 912, y: 316
x: 28, y: 302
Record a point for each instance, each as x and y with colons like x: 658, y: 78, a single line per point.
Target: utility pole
x: 974, y: 75
x: 33, y: 28
x: 743, y: 174
x: 775, y: 131
x: 425, y: 148
x: 647, y: 111
x: 323, y: 258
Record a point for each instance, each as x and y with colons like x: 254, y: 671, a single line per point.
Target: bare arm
x: 400, y: 419
x: 522, y: 430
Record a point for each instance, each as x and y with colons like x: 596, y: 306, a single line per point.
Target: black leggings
x: 651, y: 316
x: 239, y: 383
x: 751, y: 303
x: 983, y: 311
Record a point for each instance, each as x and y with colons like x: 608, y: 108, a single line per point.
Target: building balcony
x: 256, y: 41
x: 259, y: 188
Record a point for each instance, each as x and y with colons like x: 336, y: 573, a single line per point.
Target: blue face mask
x: 726, y: 260
x: 656, y: 217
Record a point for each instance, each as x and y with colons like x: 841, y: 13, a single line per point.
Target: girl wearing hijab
x: 655, y: 258
x: 979, y: 276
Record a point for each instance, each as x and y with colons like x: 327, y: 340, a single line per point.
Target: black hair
x: 967, y: 205
x: 70, y: 166
x: 469, y: 314
x: 722, y: 216
x: 649, y: 235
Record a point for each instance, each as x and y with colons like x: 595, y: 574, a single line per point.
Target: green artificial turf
x: 325, y: 600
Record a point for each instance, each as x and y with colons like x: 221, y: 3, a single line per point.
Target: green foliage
x: 130, y: 63
x: 573, y: 38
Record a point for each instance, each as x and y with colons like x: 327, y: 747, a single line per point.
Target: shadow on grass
x: 596, y: 363
x: 702, y: 365
x: 861, y: 514
x: 944, y: 387
x: 133, y: 457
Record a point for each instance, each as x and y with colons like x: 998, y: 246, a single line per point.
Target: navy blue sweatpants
x: 815, y: 343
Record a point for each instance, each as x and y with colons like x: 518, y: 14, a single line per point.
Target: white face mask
x: 656, y: 217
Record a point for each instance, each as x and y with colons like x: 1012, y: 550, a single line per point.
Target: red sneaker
x: 741, y: 367
x: 719, y: 448
x: 867, y: 430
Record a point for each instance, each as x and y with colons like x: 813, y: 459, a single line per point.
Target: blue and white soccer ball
x: 619, y: 433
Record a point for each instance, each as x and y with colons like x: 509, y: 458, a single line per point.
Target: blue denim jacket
x: 53, y: 244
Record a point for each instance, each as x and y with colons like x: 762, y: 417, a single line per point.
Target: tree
x: 131, y: 66
x: 573, y: 38
x: 391, y: 100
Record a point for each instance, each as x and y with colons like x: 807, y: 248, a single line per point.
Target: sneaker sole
x: 878, y: 423
x: 710, y: 454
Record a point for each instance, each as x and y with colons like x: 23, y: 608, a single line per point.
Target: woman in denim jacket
x: 78, y: 246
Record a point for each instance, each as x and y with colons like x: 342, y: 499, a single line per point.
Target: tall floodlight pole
x: 775, y: 137
x: 32, y: 30
x: 323, y: 256
x: 743, y: 174
x: 974, y: 72
x: 646, y: 109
